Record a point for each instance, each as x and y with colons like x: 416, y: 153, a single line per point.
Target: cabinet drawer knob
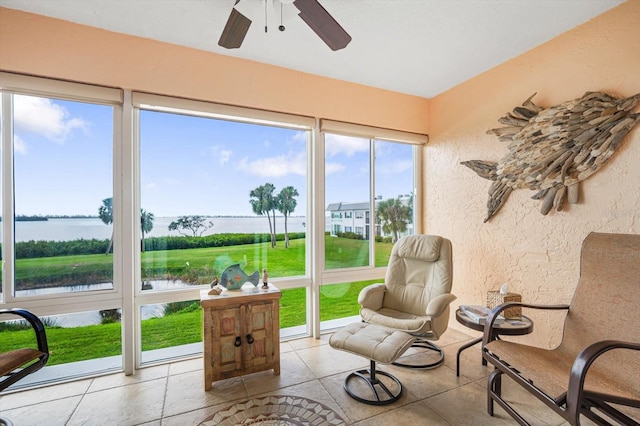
x: 249, y: 339
x: 238, y: 342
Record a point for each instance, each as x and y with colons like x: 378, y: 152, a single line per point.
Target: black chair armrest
x: 581, y: 366
x: 491, y: 334
x: 36, y: 324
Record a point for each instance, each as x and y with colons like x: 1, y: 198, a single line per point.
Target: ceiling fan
x: 311, y: 12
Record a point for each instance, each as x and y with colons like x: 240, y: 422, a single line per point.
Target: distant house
x: 355, y: 217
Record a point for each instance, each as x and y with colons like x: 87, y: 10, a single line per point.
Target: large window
x: 369, y: 191
x: 217, y: 192
x: 57, y: 221
x: 63, y: 181
x: 119, y: 208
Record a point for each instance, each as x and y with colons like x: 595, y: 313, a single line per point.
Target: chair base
x: 5, y: 422
x: 372, y: 379
x: 425, y: 344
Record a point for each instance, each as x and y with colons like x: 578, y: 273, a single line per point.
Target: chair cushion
x: 9, y: 361
x: 396, y: 320
x: 371, y: 341
x: 423, y: 247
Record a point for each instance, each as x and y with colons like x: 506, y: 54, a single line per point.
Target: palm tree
x: 262, y: 202
x: 146, y: 224
x: 106, y: 215
x: 286, y: 205
x: 394, y: 216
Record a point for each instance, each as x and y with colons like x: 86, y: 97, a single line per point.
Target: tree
x: 106, y: 215
x: 146, y: 224
x: 195, y: 224
x: 394, y: 216
x: 286, y: 204
x: 263, y: 202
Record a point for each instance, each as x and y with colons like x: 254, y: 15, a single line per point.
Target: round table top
x: 508, y: 327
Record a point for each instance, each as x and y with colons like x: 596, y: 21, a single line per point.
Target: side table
x: 241, y: 332
x: 509, y: 327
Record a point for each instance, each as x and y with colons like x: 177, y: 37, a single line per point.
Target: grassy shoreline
x: 196, y: 266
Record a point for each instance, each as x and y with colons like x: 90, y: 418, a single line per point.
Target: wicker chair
x: 595, y: 371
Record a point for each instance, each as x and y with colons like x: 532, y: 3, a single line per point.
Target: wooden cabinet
x: 241, y: 332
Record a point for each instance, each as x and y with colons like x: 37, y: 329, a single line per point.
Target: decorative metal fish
x: 234, y: 277
x: 552, y: 150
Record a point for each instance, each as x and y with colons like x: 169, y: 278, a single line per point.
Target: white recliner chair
x: 416, y: 295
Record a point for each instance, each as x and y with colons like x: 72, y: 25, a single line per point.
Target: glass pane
x: 63, y: 184
x: 79, y: 343
x: 217, y: 193
x: 347, y: 195
x: 394, y: 180
x: 171, y: 330
x: 339, y: 301
x: 293, y: 312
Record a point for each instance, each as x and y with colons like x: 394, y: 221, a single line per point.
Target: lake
x: 73, y: 229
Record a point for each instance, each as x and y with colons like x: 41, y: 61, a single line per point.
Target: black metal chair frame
x: 11, y: 377
x: 370, y: 377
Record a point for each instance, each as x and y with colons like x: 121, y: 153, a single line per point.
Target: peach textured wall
x: 42, y: 46
x: 537, y: 255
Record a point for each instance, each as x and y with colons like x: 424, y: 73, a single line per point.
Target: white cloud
x: 347, y: 145
x: 278, y: 166
x: 225, y: 156
x: 330, y: 168
x: 44, y: 117
x: 19, y: 147
x: 300, y: 136
x: 395, y: 167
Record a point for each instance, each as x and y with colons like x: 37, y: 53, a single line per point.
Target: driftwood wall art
x: 552, y: 150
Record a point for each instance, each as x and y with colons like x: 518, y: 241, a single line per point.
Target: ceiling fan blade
x: 235, y: 30
x: 323, y: 24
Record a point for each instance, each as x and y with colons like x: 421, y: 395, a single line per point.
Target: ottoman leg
x: 425, y: 344
x: 371, y: 378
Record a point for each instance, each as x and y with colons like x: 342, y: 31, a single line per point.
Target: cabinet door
x: 227, y: 341
x: 259, y: 325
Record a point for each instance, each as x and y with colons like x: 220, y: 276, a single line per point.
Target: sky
x: 188, y: 165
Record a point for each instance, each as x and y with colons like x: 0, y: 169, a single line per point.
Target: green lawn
x: 96, y: 341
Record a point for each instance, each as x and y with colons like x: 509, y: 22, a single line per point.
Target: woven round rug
x: 276, y: 410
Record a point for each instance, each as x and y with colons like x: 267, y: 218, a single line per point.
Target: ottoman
x: 378, y: 344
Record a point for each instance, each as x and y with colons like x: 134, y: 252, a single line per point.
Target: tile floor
x: 173, y: 394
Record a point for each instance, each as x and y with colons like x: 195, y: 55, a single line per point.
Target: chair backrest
x: 606, y: 299
x: 420, y: 268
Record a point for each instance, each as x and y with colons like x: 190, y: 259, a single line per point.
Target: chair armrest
x: 36, y: 324
x: 438, y: 304
x: 371, y: 296
x: 490, y: 333
x: 581, y: 365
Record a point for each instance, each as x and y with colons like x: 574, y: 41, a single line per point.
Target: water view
x: 88, y: 228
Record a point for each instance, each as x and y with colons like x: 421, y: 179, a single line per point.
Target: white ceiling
x: 419, y: 47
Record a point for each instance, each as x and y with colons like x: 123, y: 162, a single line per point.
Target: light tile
x: 43, y: 394
x: 411, y: 414
x: 292, y: 371
x: 325, y: 361
x: 185, y: 392
x: 180, y: 367
x: 356, y: 411
x: 120, y: 379
x: 309, y: 342
x: 466, y: 406
x: 125, y: 405
x: 50, y: 413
